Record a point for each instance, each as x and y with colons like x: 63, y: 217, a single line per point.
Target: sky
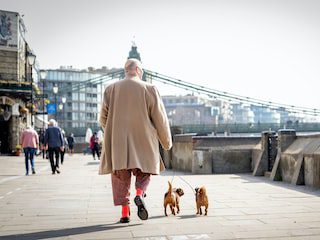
x: 265, y: 49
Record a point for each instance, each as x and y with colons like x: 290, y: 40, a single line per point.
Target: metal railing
x: 248, y: 128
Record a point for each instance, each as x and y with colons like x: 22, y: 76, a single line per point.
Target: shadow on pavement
x: 180, y: 217
x: 188, y: 216
x: 67, y: 231
x: 93, y: 163
x: 157, y: 217
x: 248, y: 178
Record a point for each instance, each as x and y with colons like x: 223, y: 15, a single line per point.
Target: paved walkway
x: 77, y: 204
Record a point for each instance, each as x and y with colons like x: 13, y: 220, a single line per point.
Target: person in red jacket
x: 94, y: 145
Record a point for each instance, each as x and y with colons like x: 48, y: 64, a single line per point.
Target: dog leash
x: 185, y: 181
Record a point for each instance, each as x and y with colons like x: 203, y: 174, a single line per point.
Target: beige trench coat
x: 134, y: 121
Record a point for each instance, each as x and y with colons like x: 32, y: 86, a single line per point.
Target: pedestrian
x: 41, y: 140
x: 30, y: 144
x: 94, y: 146
x: 54, y: 143
x: 71, y: 143
x: 65, y: 146
x: 133, y: 118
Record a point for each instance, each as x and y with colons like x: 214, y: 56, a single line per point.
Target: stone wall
x: 312, y: 169
x: 232, y: 154
x: 264, y: 152
x: 300, y: 161
x: 182, y: 154
x: 212, y: 154
x: 297, y: 160
x: 8, y: 65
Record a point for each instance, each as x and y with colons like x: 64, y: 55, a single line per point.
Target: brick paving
x: 77, y: 204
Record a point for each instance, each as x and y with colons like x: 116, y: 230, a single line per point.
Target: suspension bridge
x: 209, y: 93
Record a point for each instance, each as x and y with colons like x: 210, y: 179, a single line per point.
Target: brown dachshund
x: 172, y: 198
x: 202, y: 200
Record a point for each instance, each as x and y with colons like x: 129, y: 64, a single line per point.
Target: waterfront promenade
x: 77, y: 204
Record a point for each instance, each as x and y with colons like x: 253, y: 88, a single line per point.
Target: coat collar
x: 136, y: 78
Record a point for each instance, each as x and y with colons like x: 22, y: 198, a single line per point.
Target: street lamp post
x: 43, y: 75
x: 63, y: 99
x: 55, y: 91
x: 31, y: 60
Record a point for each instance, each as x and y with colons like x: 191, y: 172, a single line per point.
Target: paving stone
x: 77, y: 204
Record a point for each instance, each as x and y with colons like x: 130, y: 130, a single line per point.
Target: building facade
x: 82, y: 100
x: 18, y: 82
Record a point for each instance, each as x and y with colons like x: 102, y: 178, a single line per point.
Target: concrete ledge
x: 231, y: 161
x: 202, y: 162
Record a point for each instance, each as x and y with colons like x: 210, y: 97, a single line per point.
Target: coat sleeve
x: 61, y: 138
x: 105, y: 107
x: 159, y: 118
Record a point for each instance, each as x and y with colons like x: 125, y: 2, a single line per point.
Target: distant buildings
x: 190, y: 109
x: 266, y: 115
x: 242, y: 113
x: 82, y: 99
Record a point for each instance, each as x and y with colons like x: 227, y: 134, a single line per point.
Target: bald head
x: 133, y: 67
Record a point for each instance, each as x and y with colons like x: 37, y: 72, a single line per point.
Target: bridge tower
x: 135, y: 54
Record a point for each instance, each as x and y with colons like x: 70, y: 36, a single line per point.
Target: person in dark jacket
x: 71, y: 143
x: 53, y: 140
x: 41, y: 140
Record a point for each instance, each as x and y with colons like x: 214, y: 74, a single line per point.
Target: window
x: 75, y: 96
x: 91, y: 116
x: 82, y: 97
x: 75, y: 116
x: 82, y: 106
x: 75, y: 124
x: 82, y: 116
x: 75, y: 106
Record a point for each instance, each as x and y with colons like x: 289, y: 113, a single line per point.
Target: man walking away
x: 94, y: 145
x: 133, y: 118
x: 30, y: 144
x: 71, y: 142
x: 54, y: 143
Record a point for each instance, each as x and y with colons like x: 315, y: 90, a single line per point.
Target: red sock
x: 139, y: 192
x: 125, y: 211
